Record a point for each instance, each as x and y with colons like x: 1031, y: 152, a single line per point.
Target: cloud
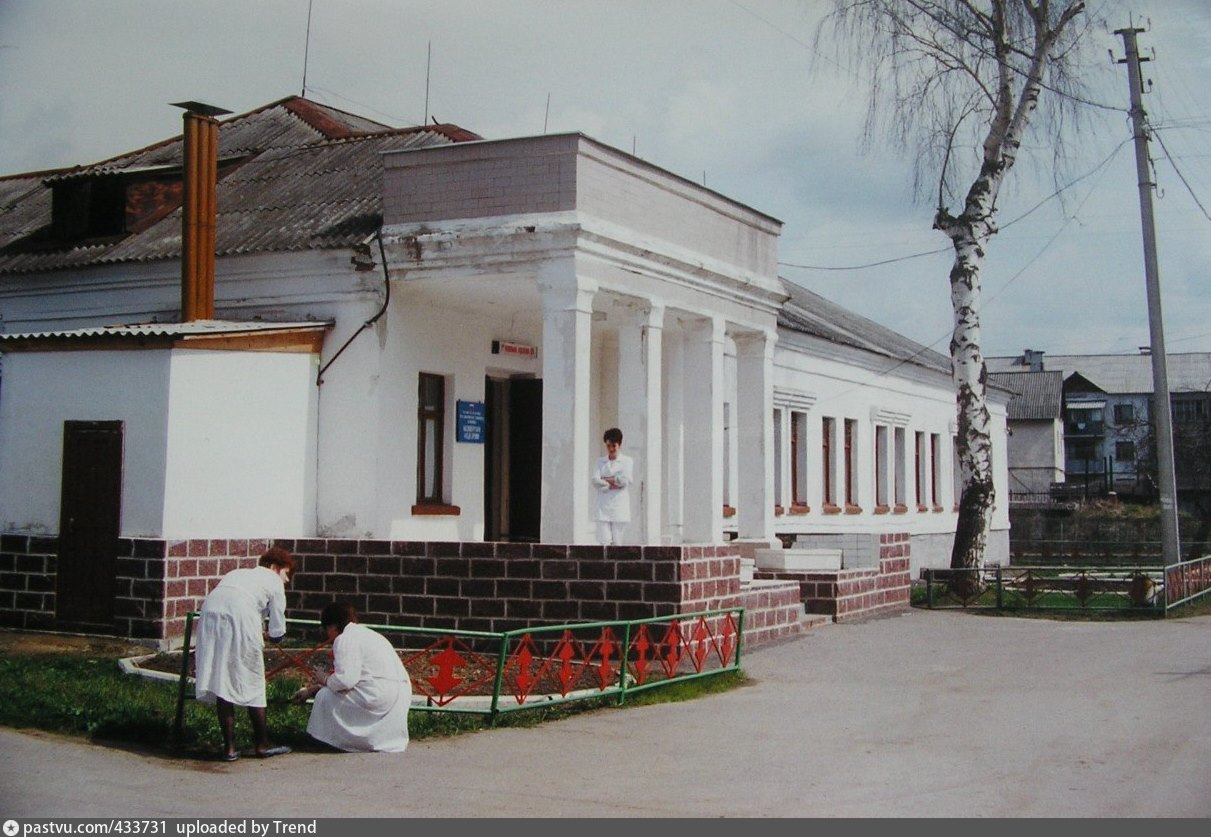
x: 726, y: 92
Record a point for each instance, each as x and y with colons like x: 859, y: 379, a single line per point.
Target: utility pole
x: 1163, y: 420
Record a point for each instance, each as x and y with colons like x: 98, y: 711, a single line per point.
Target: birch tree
x: 959, y: 84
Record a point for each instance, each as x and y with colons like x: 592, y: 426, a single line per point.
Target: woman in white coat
x: 612, y: 476
x: 362, y: 706
x: 230, y: 663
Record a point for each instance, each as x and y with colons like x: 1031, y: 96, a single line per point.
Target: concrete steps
x: 773, y: 609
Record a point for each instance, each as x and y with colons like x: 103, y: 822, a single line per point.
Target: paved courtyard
x: 920, y: 714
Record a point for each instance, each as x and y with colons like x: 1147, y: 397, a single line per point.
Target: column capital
x: 574, y: 293
x: 645, y: 312
x: 754, y: 342
x: 708, y: 329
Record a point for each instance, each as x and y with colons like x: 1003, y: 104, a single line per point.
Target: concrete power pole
x: 1163, y: 419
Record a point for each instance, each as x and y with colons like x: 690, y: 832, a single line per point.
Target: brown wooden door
x: 89, y: 519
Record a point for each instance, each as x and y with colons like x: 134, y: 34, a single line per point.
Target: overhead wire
x: 1099, y: 167
x: 931, y: 346
x: 1180, y: 176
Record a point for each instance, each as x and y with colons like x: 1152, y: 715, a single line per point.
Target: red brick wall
x: 853, y: 594
x: 468, y: 586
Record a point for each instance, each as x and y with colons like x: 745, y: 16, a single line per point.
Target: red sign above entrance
x: 502, y: 347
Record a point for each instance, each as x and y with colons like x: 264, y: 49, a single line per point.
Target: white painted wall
x: 844, y: 384
x: 241, y: 445
x: 41, y: 391
x: 420, y: 337
x: 215, y: 444
x: 1037, y: 454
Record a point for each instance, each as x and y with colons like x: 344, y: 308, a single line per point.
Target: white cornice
x: 794, y: 399
x: 883, y: 415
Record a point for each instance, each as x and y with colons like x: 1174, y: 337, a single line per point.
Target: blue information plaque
x: 472, y: 421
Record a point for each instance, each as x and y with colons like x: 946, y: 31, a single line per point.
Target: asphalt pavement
x: 919, y: 714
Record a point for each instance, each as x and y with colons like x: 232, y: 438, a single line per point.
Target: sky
x: 731, y: 94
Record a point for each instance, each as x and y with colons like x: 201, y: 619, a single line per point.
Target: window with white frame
x: 798, y: 472
x: 828, y: 482
x: 728, y: 471
x: 430, y: 439
x: 882, y: 460
x: 921, y: 469
x: 901, y: 468
x: 956, y: 470
x: 780, y: 455
x: 935, y: 467
x: 851, y: 463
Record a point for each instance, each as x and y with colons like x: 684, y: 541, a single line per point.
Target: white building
x: 419, y: 335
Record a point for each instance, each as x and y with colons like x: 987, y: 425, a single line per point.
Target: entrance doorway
x: 90, y: 513
x: 513, y: 460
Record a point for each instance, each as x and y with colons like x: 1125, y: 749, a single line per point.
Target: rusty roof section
x: 293, y: 175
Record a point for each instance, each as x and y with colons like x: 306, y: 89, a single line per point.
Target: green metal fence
x: 1152, y: 588
x: 1061, y: 588
x: 490, y: 673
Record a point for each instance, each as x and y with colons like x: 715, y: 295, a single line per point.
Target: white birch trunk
x: 974, y: 422
x: 990, y: 57
x: 970, y: 233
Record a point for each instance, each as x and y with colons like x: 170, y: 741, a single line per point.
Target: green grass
x: 88, y: 696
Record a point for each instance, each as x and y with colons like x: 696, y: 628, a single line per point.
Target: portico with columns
x: 652, y: 302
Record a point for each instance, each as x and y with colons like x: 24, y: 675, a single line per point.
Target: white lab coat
x: 613, y: 504
x: 364, y: 706
x: 231, y: 646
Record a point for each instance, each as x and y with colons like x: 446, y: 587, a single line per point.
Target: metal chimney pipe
x: 199, y: 210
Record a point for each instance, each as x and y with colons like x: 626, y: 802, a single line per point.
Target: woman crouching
x: 362, y: 706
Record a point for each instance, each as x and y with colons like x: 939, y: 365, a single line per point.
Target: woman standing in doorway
x: 612, y: 477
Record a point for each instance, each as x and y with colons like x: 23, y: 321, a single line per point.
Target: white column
x: 640, y: 339
x: 674, y: 436
x: 567, y: 452
x: 755, y: 436
x: 703, y: 402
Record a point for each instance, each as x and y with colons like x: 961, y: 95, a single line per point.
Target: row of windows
x: 1184, y: 410
x: 838, y: 459
x: 837, y: 465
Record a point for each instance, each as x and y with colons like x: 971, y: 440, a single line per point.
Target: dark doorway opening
x: 513, y: 460
x: 90, y: 514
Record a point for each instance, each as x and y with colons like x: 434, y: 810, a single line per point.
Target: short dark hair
x: 277, y: 558
x: 338, y: 615
x: 613, y: 435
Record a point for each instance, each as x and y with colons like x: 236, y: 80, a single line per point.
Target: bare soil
x: 40, y: 642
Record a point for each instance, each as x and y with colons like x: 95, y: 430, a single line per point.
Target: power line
x: 1100, y: 166
x: 869, y: 264
x: 1180, y: 176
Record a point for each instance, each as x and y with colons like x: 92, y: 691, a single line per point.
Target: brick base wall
x: 468, y: 586
x: 849, y: 594
x: 27, y: 581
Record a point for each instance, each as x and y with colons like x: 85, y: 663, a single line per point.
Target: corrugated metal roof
x: 306, y: 177
x: 1036, y: 395
x: 1125, y: 374
x: 190, y: 329
x: 810, y: 313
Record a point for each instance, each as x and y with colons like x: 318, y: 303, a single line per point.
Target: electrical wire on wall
x: 319, y: 378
